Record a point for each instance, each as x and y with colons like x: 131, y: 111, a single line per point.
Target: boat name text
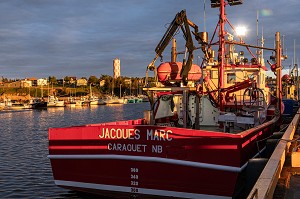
x: 135, y: 134
x: 160, y: 135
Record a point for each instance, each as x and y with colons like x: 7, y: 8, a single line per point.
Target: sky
x: 42, y: 38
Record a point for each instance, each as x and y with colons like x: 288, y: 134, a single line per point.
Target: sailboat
x: 53, y: 101
x: 206, y: 129
x: 93, y: 100
x: 112, y: 99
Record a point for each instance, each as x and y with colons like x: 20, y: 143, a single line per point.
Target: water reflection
x: 55, y: 109
x: 25, y: 170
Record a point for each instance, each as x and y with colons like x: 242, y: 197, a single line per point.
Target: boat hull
x: 129, y: 158
x: 94, y: 102
x: 137, y: 177
x: 39, y: 105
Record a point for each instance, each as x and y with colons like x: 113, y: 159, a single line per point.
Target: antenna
x: 262, y: 61
x: 257, y: 27
x: 283, y: 42
x: 295, y: 52
x: 204, y: 16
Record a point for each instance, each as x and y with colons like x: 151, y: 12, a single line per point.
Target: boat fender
x: 277, y: 135
x: 253, y: 170
x: 270, y: 147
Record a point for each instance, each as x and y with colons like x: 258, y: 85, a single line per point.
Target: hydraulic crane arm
x: 172, y: 29
x: 180, y: 21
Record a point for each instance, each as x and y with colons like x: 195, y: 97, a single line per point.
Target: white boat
x: 78, y: 102
x: 70, y: 102
x: 2, y: 105
x: 18, y: 106
x: 101, y: 102
x: 55, y: 102
x: 13, y: 105
x: 94, y: 100
x: 113, y: 100
x: 143, y: 98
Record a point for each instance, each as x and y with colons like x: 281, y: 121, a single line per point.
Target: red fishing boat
x: 206, y: 123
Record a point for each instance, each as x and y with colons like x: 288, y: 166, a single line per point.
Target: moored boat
x: 205, y: 125
x: 101, y: 102
x: 130, y: 99
x: 9, y: 104
x: 109, y: 99
x: 79, y: 102
x: 93, y: 100
x: 19, y: 106
x: 54, y: 102
x: 39, y: 104
x: 70, y: 102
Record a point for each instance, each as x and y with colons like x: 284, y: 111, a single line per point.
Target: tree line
x: 105, y: 84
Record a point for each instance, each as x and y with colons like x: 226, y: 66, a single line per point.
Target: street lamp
x: 241, y: 30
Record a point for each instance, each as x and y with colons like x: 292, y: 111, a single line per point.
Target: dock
x: 280, y: 179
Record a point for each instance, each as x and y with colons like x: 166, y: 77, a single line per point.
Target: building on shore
x: 24, y: 83
x: 82, y: 82
x: 117, y: 68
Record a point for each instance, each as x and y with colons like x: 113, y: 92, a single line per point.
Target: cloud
x: 81, y: 38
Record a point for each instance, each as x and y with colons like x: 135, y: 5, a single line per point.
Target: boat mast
x: 296, y: 72
x: 262, y: 61
x: 278, y: 72
x: 221, y: 51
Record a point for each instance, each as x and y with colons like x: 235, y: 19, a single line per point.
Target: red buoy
x: 170, y: 72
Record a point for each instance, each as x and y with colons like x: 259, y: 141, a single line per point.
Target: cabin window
x: 231, y: 78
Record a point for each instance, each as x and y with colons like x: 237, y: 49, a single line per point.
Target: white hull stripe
x: 140, y: 190
x: 152, y: 159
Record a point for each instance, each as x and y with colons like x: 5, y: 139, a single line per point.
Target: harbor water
x: 25, y: 170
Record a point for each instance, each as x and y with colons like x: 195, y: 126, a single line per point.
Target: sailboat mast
x: 221, y: 52
x: 113, y: 86
x: 120, y: 90
x: 297, y: 73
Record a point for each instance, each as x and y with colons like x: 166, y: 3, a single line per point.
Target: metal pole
x: 184, y: 103
x: 221, y: 51
x: 278, y: 72
x: 173, y: 51
x: 297, y: 75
